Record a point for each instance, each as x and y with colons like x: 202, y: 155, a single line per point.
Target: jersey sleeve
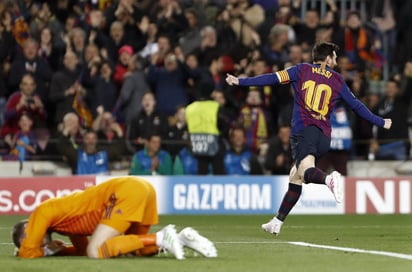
x: 359, y: 108
x: 262, y: 80
x: 279, y: 77
x: 31, y: 246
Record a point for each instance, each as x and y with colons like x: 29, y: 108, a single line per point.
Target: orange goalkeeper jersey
x: 121, y: 199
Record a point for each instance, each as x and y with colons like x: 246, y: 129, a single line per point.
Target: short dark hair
x: 321, y: 50
x: 18, y: 232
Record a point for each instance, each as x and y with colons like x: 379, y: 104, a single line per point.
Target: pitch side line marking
x: 357, y: 250
x: 348, y: 249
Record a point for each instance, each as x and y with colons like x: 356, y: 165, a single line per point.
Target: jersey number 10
x: 317, y: 96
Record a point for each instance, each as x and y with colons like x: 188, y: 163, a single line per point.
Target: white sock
x: 277, y: 220
x: 159, y: 238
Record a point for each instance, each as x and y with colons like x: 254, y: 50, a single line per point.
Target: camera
x: 30, y: 100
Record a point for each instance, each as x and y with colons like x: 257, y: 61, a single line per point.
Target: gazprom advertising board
x: 223, y: 194
x: 234, y: 195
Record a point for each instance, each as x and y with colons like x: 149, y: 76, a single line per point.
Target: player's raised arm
x: 262, y: 80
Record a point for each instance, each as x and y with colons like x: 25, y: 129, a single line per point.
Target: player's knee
x: 306, y: 163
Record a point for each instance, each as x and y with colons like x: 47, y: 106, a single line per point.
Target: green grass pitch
x: 243, y: 246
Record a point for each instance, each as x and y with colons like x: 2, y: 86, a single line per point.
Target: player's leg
x: 315, y: 143
x: 107, y: 242
x: 290, y: 199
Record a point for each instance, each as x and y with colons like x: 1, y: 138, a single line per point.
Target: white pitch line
x: 357, y: 250
x: 304, y: 244
x: 348, y: 249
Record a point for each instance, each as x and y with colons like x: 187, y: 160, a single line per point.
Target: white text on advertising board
x: 222, y: 196
x: 394, y: 197
x: 28, y: 200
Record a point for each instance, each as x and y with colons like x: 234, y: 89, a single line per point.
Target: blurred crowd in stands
x: 91, y: 82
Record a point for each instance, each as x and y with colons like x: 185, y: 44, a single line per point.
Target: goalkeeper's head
x: 19, y: 233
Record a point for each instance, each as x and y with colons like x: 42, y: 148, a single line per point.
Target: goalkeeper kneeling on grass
x: 116, y: 214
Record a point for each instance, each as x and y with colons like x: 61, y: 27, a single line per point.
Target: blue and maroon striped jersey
x: 316, y: 92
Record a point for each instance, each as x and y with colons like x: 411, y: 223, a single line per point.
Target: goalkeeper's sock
x: 289, y: 201
x: 124, y: 244
x: 147, y: 251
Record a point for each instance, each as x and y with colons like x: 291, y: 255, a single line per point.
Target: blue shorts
x: 310, y: 141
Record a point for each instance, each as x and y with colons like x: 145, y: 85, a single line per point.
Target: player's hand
x: 232, y: 80
x: 53, y: 247
x: 388, y: 123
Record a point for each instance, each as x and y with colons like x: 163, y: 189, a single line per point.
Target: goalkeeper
x: 116, y: 214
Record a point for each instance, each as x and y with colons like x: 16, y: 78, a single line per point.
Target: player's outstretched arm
x: 388, y: 123
x: 232, y: 80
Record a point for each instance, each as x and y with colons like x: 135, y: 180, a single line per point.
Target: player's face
x: 332, y: 61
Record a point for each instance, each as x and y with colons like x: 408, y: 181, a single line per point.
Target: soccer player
x: 117, y: 214
x: 317, y: 88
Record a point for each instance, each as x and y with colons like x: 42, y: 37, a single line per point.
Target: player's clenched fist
x: 388, y: 123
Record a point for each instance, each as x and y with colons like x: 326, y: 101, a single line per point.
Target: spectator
x: 275, y: 52
x: 125, y: 54
x: 168, y: 83
x: 238, y: 159
x: 44, y: 19
x: 306, y: 31
x: 77, y: 43
x: 278, y: 160
x: 170, y: 19
x: 152, y: 45
x: 363, y: 130
x: 48, y: 50
x: 209, y: 47
x: 64, y: 86
x: 134, y: 22
x: 128, y: 104
x: 88, y: 158
x: 177, y: 135
x: 255, y: 120
x: 115, y: 41
x: 30, y: 63
x: 23, y: 101
x: 96, y: 35
x: 70, y: 136
x: 164, y: 47
x: 185, y: 163
x: 152, y: 160
x: 228, y: 112
x: 357, y: 41
x: 295, y: 54
x: 8, y: 46
x: 23, y: 143
x: 210, y: 75
x: 228, y: 42
x: 104, y: 90
x: 404, y: 31
x: 147, y: 122
x: 245, y: 18
x: 341, y: 142
x: 393, y: 144
x: 109, y: 132
x: 191, y: 37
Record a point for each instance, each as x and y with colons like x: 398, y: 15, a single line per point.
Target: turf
x: 242, y: 246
